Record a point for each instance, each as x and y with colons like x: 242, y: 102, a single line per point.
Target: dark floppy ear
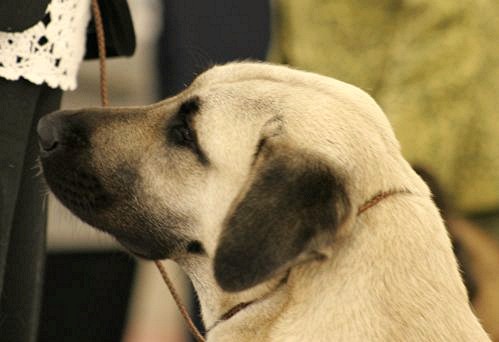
x: 291, y: 197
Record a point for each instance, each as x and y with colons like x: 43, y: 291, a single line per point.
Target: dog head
x: 251, y: 167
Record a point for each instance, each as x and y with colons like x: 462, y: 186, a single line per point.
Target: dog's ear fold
x: 291, y: 197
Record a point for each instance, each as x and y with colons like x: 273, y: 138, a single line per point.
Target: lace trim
x: 50, y: 51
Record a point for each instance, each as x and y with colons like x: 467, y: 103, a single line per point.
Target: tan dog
x: 252, y: 180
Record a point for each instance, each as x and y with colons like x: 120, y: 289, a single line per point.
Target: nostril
x: 62, y: 131
x: 48, y: 135
x: 48, y: 146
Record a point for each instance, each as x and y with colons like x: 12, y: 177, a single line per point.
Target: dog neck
x: 241, y: 306
x: 234, y: 310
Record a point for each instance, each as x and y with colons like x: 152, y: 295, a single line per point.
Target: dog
x: 283, y: 195
x: 477, y: 253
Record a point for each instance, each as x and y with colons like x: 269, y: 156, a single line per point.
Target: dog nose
x: 63, y: 130
x: 49, y: 132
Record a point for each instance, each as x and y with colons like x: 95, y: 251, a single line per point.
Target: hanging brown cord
x: 177, y: 300
x: 101, y: 45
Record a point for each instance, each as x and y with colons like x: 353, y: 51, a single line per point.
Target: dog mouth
x: 138, y: 230
x: 78, y: 189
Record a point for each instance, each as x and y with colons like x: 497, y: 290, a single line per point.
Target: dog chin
x: 141, y: 253
x: 148, y: 251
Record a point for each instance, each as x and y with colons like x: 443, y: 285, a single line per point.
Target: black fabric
x: 22, y: 221
x: 197, y: 34
x: 18, y: 15
x: 118, y: 30
x: 85, y: 296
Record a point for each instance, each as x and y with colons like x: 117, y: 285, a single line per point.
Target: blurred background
x: 432, y: 65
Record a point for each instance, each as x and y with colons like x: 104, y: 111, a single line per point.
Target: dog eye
x: 182, y: 135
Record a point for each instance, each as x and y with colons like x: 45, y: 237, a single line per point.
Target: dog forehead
x: 265, y: 83
x: 228, y: 129
x: 239, y: 71
x: 317, y: 112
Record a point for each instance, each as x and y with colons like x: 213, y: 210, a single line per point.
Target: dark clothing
x: 22, y: 207
x: 118, y: 30
x: 18, y: 15
x: 198, y: 34
x: 22, y: 214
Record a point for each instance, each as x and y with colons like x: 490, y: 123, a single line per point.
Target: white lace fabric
x: 50, y: 51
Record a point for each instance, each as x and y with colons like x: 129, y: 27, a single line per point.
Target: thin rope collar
x: 243, y: 305
x: 378, y: 198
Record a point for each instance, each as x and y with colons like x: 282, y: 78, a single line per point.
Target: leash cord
x: 177, y: 300
x: 101, y: 46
